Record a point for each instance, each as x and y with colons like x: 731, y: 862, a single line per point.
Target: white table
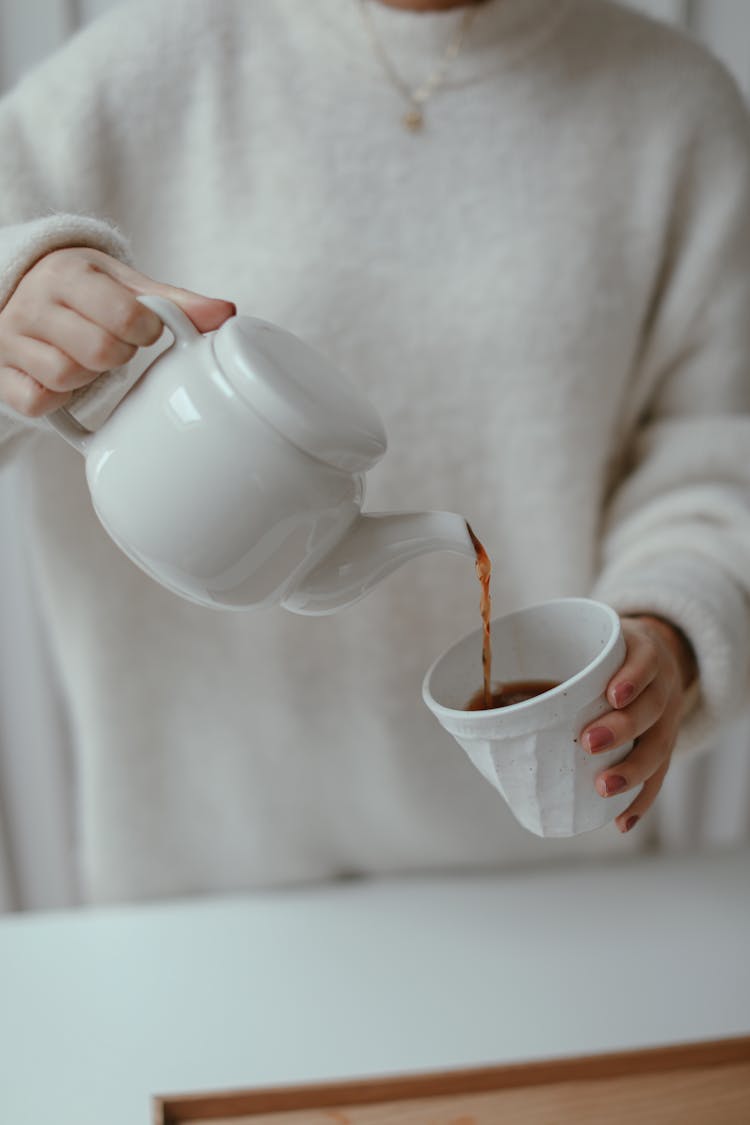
x: 101, y: 1009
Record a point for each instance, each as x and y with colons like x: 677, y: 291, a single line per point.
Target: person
x: 523, y: 228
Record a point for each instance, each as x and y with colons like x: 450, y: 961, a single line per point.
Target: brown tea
x: 505, y: 695
x: 484, y: 574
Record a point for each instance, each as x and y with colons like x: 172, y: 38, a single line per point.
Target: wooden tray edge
x: 177, y: 1109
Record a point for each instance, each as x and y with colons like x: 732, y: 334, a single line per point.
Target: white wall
x: 36, y: 867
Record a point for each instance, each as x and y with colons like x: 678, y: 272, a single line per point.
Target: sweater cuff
x: 699, y: 598
x: 23, y: 245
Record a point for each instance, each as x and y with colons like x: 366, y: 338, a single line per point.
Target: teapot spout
x: 375, y: 546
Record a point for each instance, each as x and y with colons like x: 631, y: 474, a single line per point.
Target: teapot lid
x: 300, y: 393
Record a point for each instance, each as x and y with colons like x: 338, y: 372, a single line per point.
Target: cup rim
x: 563, y: 688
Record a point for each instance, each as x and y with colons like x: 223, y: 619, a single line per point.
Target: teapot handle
x: 178, y: 323
x: 68, y: 427
x: 184, y: 332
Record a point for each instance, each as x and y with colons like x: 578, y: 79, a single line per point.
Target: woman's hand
x: 73, y: 316
x: 648, y: 697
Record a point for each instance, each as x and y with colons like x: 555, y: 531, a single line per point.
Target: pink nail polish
x: 599, y: 738
x: 631, y: 823
x: 614, y: 784
x: 623, y: 693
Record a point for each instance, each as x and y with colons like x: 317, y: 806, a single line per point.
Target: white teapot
x: 233, y: 473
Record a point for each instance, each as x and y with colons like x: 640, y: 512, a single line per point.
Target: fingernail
x: 599, y: 738
x: 631, y: 823
x: 623, y: 693
x: 609, y: 785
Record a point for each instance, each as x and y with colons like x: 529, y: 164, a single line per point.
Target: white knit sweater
x: 546, y: 294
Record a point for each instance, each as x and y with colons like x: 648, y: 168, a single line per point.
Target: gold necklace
x: 416, y: 96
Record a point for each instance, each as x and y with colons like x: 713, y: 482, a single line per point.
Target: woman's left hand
x: 647, y: 695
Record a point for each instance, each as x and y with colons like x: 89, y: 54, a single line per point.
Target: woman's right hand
x: 73, y: 316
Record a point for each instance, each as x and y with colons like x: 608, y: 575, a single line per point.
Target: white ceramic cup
x: 530, y: 751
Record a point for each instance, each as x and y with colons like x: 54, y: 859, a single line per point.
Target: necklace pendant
x: 413, y: 120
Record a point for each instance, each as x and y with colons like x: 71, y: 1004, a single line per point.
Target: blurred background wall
x: 706, y: 803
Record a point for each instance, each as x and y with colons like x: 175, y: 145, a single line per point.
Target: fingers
x: 639, y: 669
x: 26, y: 396
x: 107, y: 303
x: 646, y: 696
x: 627, y: 820
x: 89, y: 352
x: 83, y: 282
x: 648, y: 754
x: 90, y: 348
x: 618, y: 727
x: 74, y: 316
x: 206, y: 313
x: 104, y: 290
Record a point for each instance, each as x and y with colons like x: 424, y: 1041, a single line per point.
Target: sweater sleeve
x: 58, y: 154
x: 676, y: 537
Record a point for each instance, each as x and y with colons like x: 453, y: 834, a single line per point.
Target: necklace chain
x: 417, y: 96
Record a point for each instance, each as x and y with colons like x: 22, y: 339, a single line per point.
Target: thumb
x: 206, y: 313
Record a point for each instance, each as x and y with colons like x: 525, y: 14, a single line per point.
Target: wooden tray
x: 694, y: 1084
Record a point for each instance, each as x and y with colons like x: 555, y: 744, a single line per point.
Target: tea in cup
x: 558, y: 658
